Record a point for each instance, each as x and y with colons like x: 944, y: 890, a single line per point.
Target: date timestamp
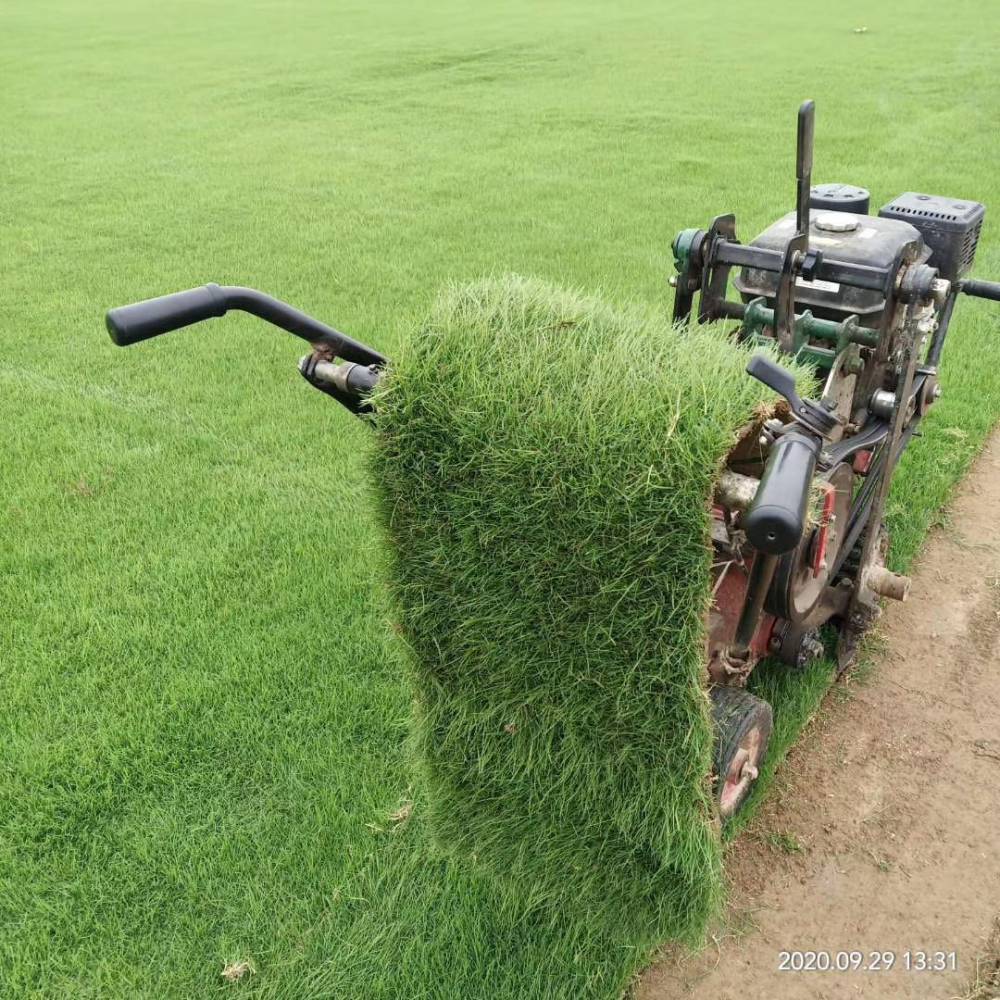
x: 915, y: 960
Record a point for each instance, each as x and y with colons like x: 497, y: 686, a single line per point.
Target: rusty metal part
x: 861, y: 462
x: 824, y: 530
x: 728, y: 670
x: 714, y: 281
x: 730, y: 579
x: 796, y: 644
x: 735, y: 491
x: 840, y: 387
x: 885, y: 583
x: 929, y: 393
x: 910, y: 337
x: 863, y: 608
x: 784, y: 300
x: 809, y: 648
x: 940, y: 290
x: 919, y: 283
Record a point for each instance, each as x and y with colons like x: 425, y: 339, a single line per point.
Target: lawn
x: 204, y: 708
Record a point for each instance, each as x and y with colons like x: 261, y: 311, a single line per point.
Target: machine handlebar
x: 143, y: 320
x: 776, y: 518
x: 982, y: 289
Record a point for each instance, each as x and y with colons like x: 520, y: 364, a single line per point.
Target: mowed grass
x: 204, y: 708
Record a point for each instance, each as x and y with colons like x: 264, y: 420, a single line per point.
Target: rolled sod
x: 544, y: 469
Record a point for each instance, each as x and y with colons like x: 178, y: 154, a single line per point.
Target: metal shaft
x: 761, y: 575
x: 804, y: 164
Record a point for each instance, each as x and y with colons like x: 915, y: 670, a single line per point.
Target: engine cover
x: 949, y: 226
x: 855, y: 239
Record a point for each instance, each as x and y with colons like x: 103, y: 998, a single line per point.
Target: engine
x: 866, y: 300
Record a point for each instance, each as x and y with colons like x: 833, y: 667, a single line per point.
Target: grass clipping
x: 544, y: 469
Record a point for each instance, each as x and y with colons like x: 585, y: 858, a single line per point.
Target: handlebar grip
x: 143, y: 320
x: 982, y: 289
x: 776, y: 518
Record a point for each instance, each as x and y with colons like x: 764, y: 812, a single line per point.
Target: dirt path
x: 883, y: 832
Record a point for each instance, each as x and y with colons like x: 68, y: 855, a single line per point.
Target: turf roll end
x: 544, y: 468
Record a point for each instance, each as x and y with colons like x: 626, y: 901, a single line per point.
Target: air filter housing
x: 950, y: 228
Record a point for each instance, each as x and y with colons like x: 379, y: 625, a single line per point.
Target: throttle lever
x: 812, y: 416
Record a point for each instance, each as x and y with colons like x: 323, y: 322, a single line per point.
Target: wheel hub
x: 743, y: 772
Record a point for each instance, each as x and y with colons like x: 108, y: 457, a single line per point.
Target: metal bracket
x: 688, y: 264
x: 715, y: 275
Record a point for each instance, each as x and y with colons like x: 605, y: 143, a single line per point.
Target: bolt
x: 672, y: 281
x: 937, y: 392
x: 940, y: 289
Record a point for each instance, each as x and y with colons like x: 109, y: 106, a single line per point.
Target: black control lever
x: 812, y: 416
x: 776, y: 518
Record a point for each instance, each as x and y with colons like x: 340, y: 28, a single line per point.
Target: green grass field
x: 204, y: 709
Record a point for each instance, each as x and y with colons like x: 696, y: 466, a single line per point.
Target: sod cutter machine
x: 797, y: 527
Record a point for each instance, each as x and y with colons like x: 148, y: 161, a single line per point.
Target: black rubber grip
x: 982, y: 289
x: 142, y: 320
x: 776, y: 518
x: 362, y: 380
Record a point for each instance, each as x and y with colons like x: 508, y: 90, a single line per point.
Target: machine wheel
x: 742, y: 730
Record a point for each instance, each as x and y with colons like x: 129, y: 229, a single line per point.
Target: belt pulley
x: 803, y: 574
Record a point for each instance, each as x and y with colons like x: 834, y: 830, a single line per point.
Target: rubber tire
x: 734, y: 713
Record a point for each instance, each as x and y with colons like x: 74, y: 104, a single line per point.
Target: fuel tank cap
x: 837, y: 222
x: 840, y: 198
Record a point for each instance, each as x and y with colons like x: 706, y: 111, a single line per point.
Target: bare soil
x: 882, y: 833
